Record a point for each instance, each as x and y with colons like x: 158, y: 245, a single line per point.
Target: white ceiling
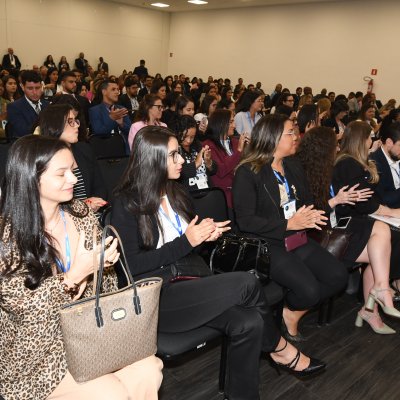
x: 183, y: 5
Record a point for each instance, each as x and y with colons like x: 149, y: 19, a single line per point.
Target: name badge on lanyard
x: 289, y: 207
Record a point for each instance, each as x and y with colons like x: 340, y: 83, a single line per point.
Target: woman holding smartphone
x: 271, y: 200
x: 369, y: 242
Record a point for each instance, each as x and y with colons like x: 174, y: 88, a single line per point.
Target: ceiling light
x: 160, y: 5
x: 197, y: 2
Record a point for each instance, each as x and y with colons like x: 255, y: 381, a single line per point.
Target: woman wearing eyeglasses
x: 272, y: 201
x: 60, y: 120
x: 149, y: 113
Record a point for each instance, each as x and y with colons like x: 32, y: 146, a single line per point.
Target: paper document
x: 389, y: 220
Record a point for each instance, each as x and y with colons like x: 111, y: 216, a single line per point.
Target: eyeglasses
x: 73, y: 122
x: 175, y: 156
x: 160, y: 107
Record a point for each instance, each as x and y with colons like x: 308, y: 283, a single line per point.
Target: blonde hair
x: 353, y: 145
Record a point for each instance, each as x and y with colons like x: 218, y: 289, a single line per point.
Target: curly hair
x: 317, y: 155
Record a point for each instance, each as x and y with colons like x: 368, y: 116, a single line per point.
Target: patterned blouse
x: 32, y: 355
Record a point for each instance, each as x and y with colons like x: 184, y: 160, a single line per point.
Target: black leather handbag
x: 334, y: 240
x: 241, y: 253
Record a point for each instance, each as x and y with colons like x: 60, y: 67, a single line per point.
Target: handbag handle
x: 125, y: 267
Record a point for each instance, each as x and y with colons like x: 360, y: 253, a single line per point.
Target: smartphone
x: 343, y: 222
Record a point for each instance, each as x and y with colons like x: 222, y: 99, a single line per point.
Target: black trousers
x: 234, y: 304
x: 310, y: 273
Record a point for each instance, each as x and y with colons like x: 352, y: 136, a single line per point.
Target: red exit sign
x: 374, y: 71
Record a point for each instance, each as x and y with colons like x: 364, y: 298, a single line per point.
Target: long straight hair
x: 355, y: 135
x: 265, y: 137
x: 218, y: 126
x: 146, y: 179
x: 22, y: 225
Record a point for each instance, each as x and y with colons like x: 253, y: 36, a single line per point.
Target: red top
x: 226, y: 167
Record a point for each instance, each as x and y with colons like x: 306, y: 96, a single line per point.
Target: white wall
x: 121, y: 34
x: 332, y: 45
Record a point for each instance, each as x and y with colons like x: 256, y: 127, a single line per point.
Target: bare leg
x: 288, y: 354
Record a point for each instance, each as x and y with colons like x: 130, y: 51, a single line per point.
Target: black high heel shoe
x: 313, y: 368
x: 292, y: 338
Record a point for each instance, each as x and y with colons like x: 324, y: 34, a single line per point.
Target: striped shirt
x: 79, y: 188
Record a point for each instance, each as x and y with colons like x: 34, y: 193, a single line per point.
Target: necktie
x: 37, y: 108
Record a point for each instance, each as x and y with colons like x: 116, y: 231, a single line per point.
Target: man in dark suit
x: 11, y: 61
x: 147, y: 87
x: 102, y: 65
x: 387, y: 161
x: 107, y: 117
x: 130, y: 100
x: 24, y: 113
x: 81, y: 64
x: 141, y: 70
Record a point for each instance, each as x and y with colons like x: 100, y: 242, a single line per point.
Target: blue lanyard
x: 332, y: 193
x: 67, y: 247
x: 178, y: 226
x: 283, y: 182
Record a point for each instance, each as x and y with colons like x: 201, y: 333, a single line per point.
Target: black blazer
x: 87, y: 163
x: 102, y: 65
x: 125, y: 101
x: 348, y: 171
x: 256, y: 199
x: 385, y: 189
x: 145, y: 262
x: 6, y: 63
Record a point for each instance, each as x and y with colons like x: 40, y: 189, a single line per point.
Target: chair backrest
x: 112, y: 170
x: 210, y: 203
x: 109, y: 146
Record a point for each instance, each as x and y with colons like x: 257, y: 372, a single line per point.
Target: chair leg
x: 329, y: 310
x: 321, y: 314
x: 222, y: 365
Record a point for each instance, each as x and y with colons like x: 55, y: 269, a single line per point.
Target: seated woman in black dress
x: 271, y: 200
x: 151, y: 211
x: 370, y: 240
x: 353, y: 167
x: 198, y: 165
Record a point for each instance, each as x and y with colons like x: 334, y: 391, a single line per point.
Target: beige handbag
x: 109, y: 331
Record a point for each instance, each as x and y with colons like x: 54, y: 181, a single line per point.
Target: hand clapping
x: 206, y: 230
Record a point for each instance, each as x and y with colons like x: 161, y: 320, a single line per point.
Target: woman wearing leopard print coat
x: 46, y: 261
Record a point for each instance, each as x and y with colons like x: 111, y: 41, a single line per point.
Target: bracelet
x: 72, y: 291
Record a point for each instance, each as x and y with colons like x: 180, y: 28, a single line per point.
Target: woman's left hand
x: 95, y: 203
x: 220, y: 228
x: 352, y: 195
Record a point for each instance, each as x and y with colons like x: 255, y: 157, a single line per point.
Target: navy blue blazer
x: 389, y: 195
x: 22, y: 117
x: 102, y: 124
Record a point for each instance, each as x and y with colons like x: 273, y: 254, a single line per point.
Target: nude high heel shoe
x: 368, y: 317
x: 374, y: 298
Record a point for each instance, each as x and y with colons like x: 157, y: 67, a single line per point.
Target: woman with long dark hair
x: 271, y: 200
x: 226, y: 149
x: 248, y: 111
x: 49, y: 62
x: 51, y: 86
x: 150, y: 112
x: 153, y: 215
x: 60, y: 121
x: 207, y: 107
x: 370, y: 240
x: 46, y: 260
x: 10, y: 88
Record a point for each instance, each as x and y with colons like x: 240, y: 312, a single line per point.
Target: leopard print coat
x: 32, y: 355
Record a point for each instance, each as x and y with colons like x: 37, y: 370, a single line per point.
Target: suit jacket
x: 256, y: 199
x: 125, y: 101
x: 102, y: 124
x: 389, y: 195
x: 225, y: 167
x: 21, y: 117
x: 140, y: 71
x: 87, y: 163
x: 7, y: 63
x: 81, y: 65
x: 85, y: 105
x: 102, y: 65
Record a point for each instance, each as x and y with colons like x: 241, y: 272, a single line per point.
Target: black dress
x: 348, y: 171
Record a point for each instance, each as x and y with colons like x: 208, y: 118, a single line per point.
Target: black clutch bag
x: 241, y: 253
x: 189, y: 267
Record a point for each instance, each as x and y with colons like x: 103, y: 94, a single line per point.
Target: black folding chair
x: 112, y: 170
